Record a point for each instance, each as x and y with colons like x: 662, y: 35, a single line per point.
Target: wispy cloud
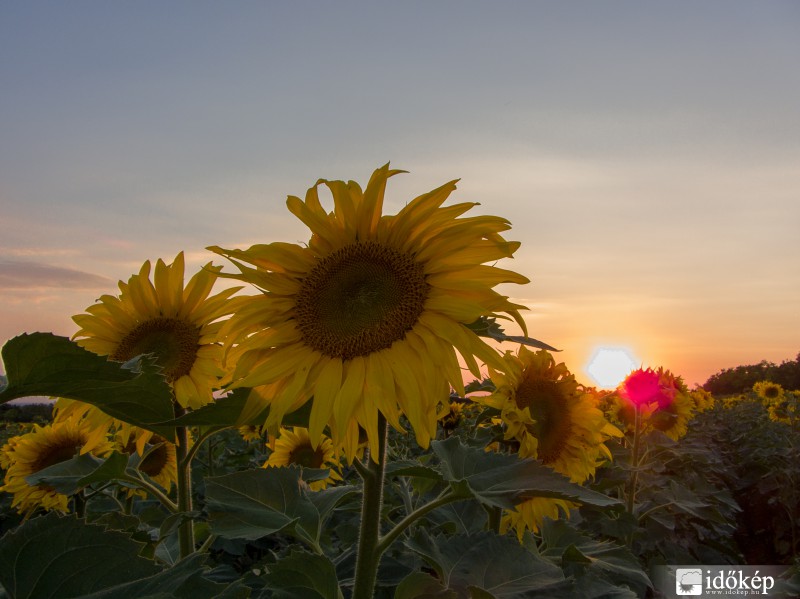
x: 23, y: 274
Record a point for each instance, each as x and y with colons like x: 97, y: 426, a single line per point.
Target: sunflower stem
x: 637, y: 425
x: 184, y: 480
x: 368, y: 557
x: 171, y: 506
x: 443, y: 499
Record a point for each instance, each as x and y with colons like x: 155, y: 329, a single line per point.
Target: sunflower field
x: 310, y: 431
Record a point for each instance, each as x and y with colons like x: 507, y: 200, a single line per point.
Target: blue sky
x: 646, y: 153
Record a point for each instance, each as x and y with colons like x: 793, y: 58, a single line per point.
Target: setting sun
x: 610, y: 365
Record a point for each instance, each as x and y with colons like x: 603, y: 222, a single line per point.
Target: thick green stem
x: 389, y: 538
x: 153, y: 490
x: 631, y: 500
x: 634, y: 460
x: 186, y: 528
x: 373, y: 473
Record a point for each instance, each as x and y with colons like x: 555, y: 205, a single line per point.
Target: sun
x: 610, y: 365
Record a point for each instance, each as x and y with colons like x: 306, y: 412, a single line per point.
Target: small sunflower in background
x: 553, y: 419
x: 178, y: 325
x: 252, y: 433
x: 369, y: 317
x: 46, y: 446
x: 159, y: 456
x: 294, y: 447
x: 768, y: 391
x: 785, y: 408
x: 703, y: 400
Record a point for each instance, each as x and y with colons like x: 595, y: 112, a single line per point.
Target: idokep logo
x: 689, y: 581
x: 713, y: 581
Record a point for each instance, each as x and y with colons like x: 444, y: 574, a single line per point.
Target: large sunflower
x: 294, y: 447
x: 180, y: 326
x: 43, y: 447
x: 368, y: 318
x: 554, y: 419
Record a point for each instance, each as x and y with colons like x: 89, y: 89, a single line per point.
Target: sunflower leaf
x: 486, y: 326
x: 581, y: 556
x: 302, y: 575
x: 182, y: 581
x: 227, y: 411
x: 43, y: 364
x: 505, y: 480
x: 71, y: 475
x: 492, y: 565
x: 255, y: 503
x: 58, y: 556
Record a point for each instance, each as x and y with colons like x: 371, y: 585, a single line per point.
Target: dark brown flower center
x: 306, y: 456
x: 156, y: 459
x: 172, y: 341
x: 360, y: 299
x: 62, y: 451
x: 548, y: 408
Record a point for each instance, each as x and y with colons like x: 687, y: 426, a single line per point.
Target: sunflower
x: 369, y: 317
x: 294, y: 447
x: 46, y: 446
x: 661, y: 398
x: 786, y: 408
x: 553, y: 419
x: 703, y: 400
x: 768, y: 391
x: 179, y: 326
x: 159, y: 456
x: 250, y: 432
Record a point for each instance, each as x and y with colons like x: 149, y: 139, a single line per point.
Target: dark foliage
x: 740, y: 379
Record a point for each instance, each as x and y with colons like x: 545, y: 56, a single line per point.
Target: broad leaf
x: 581, y: 555
x: 419, y: 585
x: 60, y: 557
x: 505, y: 480
x: 228, y: 410
x: 485, y: 565
x: 302, y: 575
x: 182, y: 581
x: 45, y: 364
x: 70, y: 476
x: 255, y: 503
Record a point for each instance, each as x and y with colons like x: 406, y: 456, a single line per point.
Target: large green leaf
x: 45, y: 364
x: 419, y: 585
x: 255, y: 503
x: 71, y: 475
x: 227, y: 411
x: 485, y: 565
x: 302, y: 575
x: 183, y: 581
x: 61, y: 557
x: 505, y: 480
x: 580, y: 556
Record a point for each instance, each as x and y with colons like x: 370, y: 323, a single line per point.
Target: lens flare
x: 610, y: 365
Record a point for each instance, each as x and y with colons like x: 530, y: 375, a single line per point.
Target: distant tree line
x: 29, y: 412
x: 742, y: 378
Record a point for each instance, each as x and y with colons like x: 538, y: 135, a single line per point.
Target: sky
x: 647, y: 154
